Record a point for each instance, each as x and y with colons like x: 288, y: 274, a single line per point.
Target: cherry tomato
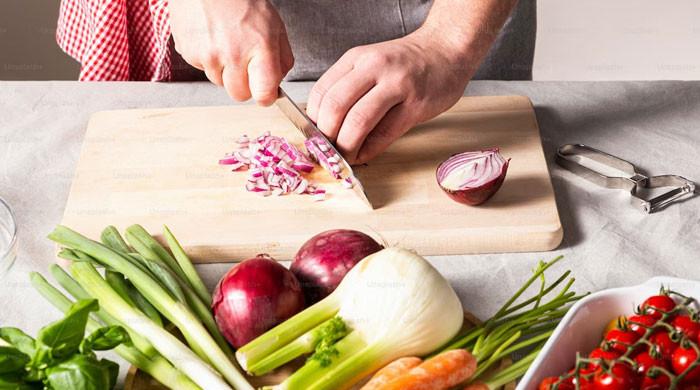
x: 687, y: 326
x: 620, y: 377
x: 645, y: 361
x: 633, y: 323
x: 663, y: 343
x: 658, y: 381
x: 583, y: 384
x: 657, y: 305
x: 614, y: 324
x: 681, y: 361
x: 600, y: 353
x: 620, y: 340
x: 549, y: 382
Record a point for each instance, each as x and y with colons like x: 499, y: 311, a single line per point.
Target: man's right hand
x: 240, y: 44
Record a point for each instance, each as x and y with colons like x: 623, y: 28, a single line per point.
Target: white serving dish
x: 582, y: 327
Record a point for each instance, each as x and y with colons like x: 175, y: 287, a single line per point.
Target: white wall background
x: 577, y: 40
x: 617, y: 40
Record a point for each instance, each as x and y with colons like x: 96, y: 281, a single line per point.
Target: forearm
x: 466, y: 28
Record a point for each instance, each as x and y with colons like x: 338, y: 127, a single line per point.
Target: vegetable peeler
x: 568, y: 156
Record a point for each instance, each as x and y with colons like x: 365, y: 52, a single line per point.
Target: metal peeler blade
x: 633, y: 181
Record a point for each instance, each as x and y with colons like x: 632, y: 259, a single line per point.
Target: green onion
x: 179, y: 314
x: 167, y: 344
x: 187, y: 268
x: 156, y: 366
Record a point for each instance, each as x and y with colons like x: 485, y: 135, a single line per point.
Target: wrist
x: 458, y: 48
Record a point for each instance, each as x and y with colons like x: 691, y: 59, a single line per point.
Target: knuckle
x: 352, y: 52
x: 332, y: 104
x: 209, y: 58
x: 318, y: 91
x: 373, y: 60
x: 358, y: 120
x: 233, y: 56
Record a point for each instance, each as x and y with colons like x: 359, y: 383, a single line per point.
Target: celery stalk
x: 355, y: 359
x: 327, y: 332
x: 167, y: 344
x: 279, y: 336
x: 190, y: 326
x: 187, y: 267
x: 156, y: 366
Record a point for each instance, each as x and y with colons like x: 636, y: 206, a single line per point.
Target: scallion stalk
x: 156, y: 366
x: 190, y: 326
x: 187, y: 267
x: 78, y: 292
x: 167, y: 344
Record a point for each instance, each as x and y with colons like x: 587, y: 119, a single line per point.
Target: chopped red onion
x: 473, y: 177
x: 275, y: 166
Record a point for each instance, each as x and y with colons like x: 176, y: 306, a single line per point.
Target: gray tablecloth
x: 606, y: 242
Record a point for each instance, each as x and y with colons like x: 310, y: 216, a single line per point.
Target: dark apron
x: 320, y: 31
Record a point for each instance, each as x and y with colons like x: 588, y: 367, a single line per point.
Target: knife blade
x: 312, y: 133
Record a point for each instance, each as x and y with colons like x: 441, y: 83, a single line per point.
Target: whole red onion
x: 472, y: 177
x: 322, y: 262
x: 254, y: 296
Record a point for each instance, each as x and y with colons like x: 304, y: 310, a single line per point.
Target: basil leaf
x: 12, y: 360
x: 18, y: 339
x: 80, y: 372
x: 64, y: 336
x: 112, y: 369
x: 104, y: 339
x: 15, y: 382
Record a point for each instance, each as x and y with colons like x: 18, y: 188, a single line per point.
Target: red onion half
x: 254, y: 296
x: 472, y: 177
x: 322, y: 262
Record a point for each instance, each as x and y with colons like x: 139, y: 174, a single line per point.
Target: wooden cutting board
x: 159, y: 166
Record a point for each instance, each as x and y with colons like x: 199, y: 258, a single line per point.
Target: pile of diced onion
x: 276, y: 167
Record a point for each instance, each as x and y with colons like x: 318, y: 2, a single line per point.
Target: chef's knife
x: 307, y: 127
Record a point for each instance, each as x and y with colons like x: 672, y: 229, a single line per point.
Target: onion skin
x: 476, y: 195
x: 254, y: 296
x: 322, y: 262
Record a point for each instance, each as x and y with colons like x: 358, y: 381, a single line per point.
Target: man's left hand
x: 375, y: 93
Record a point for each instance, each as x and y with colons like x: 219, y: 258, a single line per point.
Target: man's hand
x: 375, y: 93
x: 240, y: 44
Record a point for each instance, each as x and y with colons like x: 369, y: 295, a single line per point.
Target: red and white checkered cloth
x: 116, y: 39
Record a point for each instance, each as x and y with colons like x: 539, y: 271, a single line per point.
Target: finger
x: 214, y: 73
x: 235, y: 80
x: 265, y: 75
x: 286, y: 54
x: 339, y: 100
x: 363, y: 117
x: 333, y: 74
x: 395, y: 123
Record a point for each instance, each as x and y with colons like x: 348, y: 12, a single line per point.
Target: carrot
x: 391, y: 371
x: 440, y: 372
